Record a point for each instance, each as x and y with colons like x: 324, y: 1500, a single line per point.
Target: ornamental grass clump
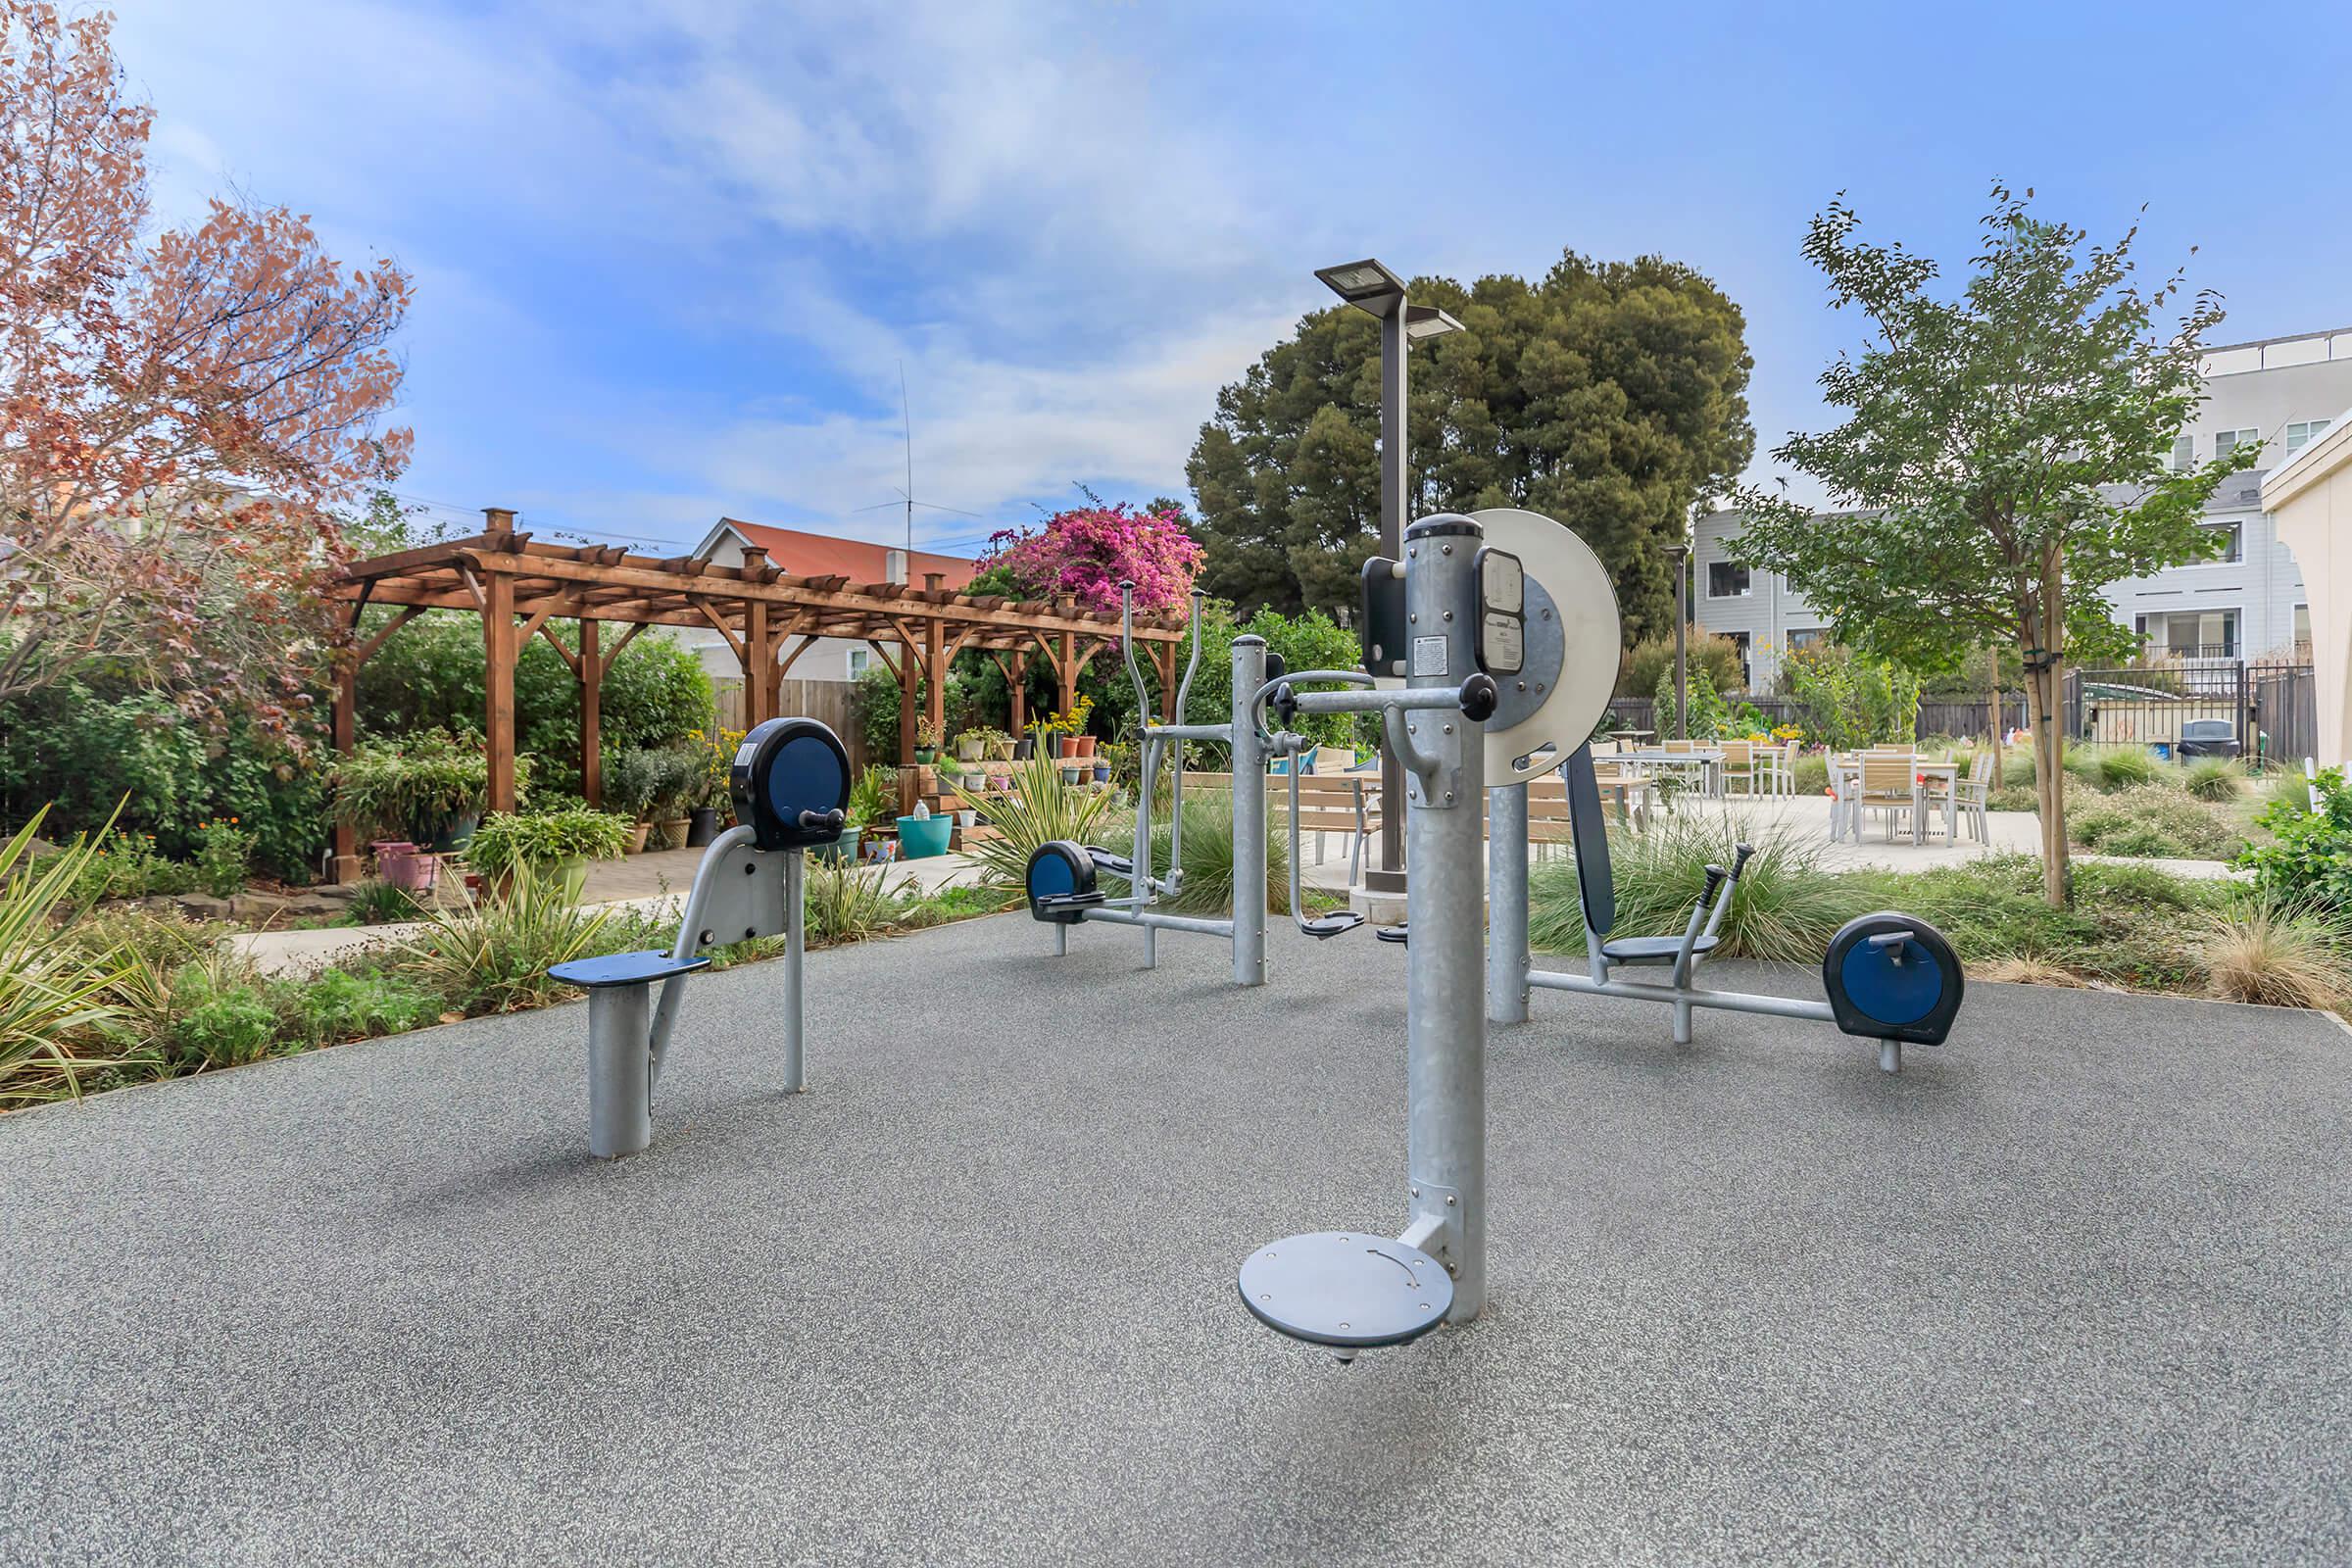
x: 493, y: 956
x: 2282, y: 953
x: 53, y: 994
x: 1041, y: 810
x: 2216, y: 780
x: 1787, y: 906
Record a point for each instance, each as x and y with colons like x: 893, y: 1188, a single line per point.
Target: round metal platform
x: 1344, y: 1288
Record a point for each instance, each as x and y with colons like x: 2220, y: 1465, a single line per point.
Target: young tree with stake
x: 2009, y: 451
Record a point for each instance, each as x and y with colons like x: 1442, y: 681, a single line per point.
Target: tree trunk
x: 2049, y: 745
x: 1992, y: 695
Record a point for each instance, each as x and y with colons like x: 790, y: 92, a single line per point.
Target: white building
x: 2249, y: 604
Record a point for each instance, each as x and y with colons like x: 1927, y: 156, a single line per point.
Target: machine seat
x: 1394, y: 933
x: 1652, y: 949
x: 624, y: 969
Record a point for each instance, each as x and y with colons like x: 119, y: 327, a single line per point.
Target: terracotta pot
x: 674, y: 830
x: 1086, y: 746
x: 1068, y: 745
x: 638, y: 833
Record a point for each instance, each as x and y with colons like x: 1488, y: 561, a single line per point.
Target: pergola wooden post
x: 498, y: 666
x: 756, y: 607
x: 590, y: 669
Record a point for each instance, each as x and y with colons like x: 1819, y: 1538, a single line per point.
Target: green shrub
x: 374, y: 903
x: 216, y: 1022
x: 545, y: 838
x: 2014, y: 797
x: 2146, y: 841
x: 123, y: 864
x: 2214, y: 779
x: 1787, y: 906
x: 2156, y: 821
x: 2309, y: 853
x: 413, y: 787
x: 351, y: 1004
x: 1651, y: 657
x: 223, y: 858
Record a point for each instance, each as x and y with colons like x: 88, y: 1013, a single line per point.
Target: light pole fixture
x: 1680, y: 554
x: 1376, y: 291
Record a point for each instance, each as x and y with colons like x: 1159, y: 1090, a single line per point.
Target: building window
x: 1740, y: 640
x: 2189, y: 634
x: 1727, y: 579
x: 2185, y: 454
x: 2235, y: 550
x: 2227, y: 441
x: 1808, y: 637
x: 2302, y: 631
x: 2302, y: 432
x: 858, y: 659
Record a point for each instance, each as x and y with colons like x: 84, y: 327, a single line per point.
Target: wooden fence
x: 826, y: 700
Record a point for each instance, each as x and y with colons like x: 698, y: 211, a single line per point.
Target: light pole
x: 1680, y: 554
x: 1378, y: 292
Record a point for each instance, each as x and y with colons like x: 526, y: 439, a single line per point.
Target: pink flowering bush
x: 1086, y: 550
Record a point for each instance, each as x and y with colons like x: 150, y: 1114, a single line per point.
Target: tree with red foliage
x: 1086, y: 550
x: 180, y: 415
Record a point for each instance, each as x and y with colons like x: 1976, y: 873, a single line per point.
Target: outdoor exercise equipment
x: 791, y: 785
x: 1061, y: 875
x: 1890, y: 977
x: 1349, y: 1290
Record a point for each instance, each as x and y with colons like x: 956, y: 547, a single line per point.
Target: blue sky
x: 670, y: 257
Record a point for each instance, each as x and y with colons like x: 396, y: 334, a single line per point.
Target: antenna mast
x: 906, y: 415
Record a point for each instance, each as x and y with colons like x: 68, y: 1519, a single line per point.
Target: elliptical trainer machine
x: 1060, y: 879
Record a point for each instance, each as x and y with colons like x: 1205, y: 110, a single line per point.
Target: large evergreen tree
x: 1611, y: 396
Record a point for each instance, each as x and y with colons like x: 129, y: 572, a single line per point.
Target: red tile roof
x: 820, y: 555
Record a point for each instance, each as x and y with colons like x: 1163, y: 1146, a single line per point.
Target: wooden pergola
x: 769, y: 617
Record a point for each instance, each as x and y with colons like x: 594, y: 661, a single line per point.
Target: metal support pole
x: 1681, y: 632
x: 1507, y: 904
x: 796, y: 869
x: 620, y: 1071
x: 1386, y: 873
x: 1445, y: 1029
x: 1249, y: 816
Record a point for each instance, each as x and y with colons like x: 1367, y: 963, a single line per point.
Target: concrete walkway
x: 656, y: 881
x: 2070, y: 1287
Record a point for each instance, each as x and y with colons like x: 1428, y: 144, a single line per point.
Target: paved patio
x: 2071, y: 1286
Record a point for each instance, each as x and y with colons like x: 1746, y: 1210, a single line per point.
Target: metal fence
x: 2272, y: 709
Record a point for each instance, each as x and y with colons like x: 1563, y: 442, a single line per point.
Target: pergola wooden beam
x: 518, y: 585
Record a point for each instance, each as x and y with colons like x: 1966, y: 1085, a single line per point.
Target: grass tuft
x: 2282, y: 952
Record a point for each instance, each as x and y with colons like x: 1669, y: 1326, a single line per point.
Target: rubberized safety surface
x: 2071, y: 1286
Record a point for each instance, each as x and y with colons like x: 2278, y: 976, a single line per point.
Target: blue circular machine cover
x: 1893, y: 976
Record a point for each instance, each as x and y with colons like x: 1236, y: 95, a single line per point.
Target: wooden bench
x: 1328, y: 803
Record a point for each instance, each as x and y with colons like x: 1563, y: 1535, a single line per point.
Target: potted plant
x: 1102, y: 770
x: 926, y: 739
x: 429, y: 789
x: 555, y: 844
x: 631, y: 775
x: 715, y: 749
x: 969, y: 745
x: 677, y: 784
x: 996, y: 746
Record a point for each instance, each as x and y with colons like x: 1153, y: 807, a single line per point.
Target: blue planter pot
x: 921, y: 837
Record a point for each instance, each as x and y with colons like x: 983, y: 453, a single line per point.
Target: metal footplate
x: 1345, y: 1290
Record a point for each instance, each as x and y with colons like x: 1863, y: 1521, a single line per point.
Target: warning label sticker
x: 1429, y: 656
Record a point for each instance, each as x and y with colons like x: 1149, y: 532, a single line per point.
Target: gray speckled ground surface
x: 2074, y: 1288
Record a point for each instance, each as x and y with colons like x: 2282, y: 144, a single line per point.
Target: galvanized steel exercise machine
x: 791, y: 785
x: 1061, y: 875
x: 1890, y: 977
